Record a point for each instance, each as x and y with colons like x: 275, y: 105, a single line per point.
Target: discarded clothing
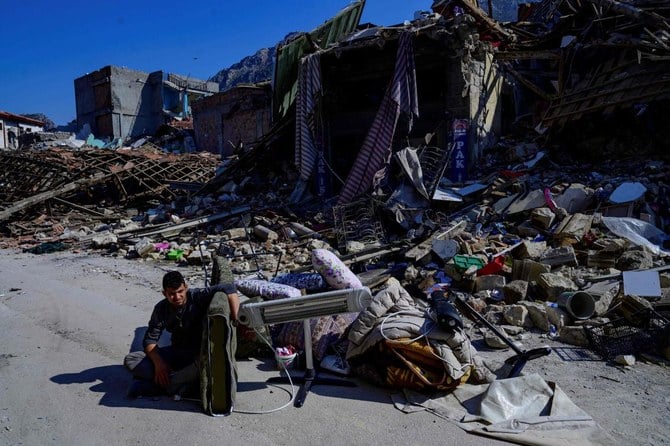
x: 394, y: 315
x: 45, y: 248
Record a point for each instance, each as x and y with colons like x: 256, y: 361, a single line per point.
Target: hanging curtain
x: 400, y: 97
x: 306, y: 131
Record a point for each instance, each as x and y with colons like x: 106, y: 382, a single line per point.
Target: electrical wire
x: 422, y: 335
x: 400, y: 313
x: 290, y: 392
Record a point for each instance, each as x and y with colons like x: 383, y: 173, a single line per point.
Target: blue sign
x: 459, y: 157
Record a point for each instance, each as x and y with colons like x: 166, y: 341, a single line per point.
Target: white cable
x: 291, y: 392
x: 422, y: 335
x: 398, y: 313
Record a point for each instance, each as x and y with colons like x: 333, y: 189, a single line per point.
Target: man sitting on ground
x: 174, y: 369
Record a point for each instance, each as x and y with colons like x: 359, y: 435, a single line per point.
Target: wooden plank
x: 424, y: 248
x: 36, y: 199
x: 80, y: 208
x: 187, y: 224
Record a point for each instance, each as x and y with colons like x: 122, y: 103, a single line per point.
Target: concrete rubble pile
x: 539, y: 239
x: 528, y: 241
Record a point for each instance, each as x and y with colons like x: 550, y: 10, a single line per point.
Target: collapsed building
x: 227, y: 121
x: 443, y: 153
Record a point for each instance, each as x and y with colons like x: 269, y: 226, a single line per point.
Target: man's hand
x: 161, y: 369
x: 162, y: 373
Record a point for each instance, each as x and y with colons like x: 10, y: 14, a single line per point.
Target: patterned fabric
x: 266, y: 289
x: 326, y: 331
x: 418, y: 367
x: 302, y: 281
x: 401, y: 96
x: 306, y: 129
x: 333, y: 270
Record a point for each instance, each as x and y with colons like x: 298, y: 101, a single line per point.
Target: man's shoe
x: 140, y: 388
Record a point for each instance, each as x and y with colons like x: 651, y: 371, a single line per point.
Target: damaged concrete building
x: 118, y: 103
x: 356, y: 93
x: 353, y: 108
x: 232, y: 119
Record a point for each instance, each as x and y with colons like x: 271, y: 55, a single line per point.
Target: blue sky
x: 46, y: 44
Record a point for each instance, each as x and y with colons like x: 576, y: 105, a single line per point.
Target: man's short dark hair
x: 173, y: 280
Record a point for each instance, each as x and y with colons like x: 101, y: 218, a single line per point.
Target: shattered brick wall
x: 237, y: 116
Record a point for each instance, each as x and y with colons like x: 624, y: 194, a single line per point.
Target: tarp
x: 523, y: 410
x: 288, y: 55
x: 638, y: 232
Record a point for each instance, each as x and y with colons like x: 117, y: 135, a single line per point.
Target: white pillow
x: 336, y: 273
x: 265, y: 289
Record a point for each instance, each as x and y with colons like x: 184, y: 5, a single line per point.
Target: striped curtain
x: 400, y: 97
x: 306, y: 132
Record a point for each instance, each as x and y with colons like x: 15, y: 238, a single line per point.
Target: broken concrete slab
x: 574, y: 226
x: 537, y: 311
x: 515, y: 291
x: 576, y: 198
x: 528, y: 270
x: 532, y: 200
x: 517, y: 315
x: 554, y: 284
x: 573, y: 335
x: 564, y: 255
x: 542, y: 217
x: 530, y: 250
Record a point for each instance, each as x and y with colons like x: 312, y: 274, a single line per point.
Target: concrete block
x: 573, y: 335
x: 564, y: 255
x: 517, y: 315
x: 553, y: 285
x: 489, y: 282
x: 542, y: 217
x: 528, y: 270
x: 515, y: 291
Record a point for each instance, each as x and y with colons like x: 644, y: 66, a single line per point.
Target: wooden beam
x: 36, y: 199
x: 531, y: 86
x: 80, y: 208
x: 525, y: 55
x: 187, y: 224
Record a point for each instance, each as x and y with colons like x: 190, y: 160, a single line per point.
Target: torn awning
x: 289, y: 55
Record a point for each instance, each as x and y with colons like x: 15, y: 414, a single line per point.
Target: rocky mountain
x: 251, y: 69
